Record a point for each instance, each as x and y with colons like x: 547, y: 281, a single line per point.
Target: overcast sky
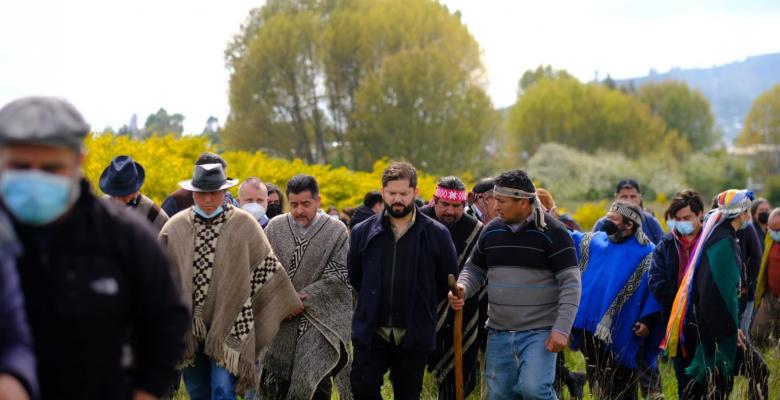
x: 113, y: 59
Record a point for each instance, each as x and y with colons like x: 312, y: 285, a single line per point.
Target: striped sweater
x: 532, y: 276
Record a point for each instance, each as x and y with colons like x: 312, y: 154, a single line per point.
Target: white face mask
x: 257, y: 210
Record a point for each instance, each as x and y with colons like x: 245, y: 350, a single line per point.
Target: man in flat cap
x: 91, y: 272
x: 236, y: 290
x: 122, y: 180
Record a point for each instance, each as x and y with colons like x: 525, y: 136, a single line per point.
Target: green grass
x: 576, y: 362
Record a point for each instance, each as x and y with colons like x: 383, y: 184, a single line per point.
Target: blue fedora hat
x: 122, y: 177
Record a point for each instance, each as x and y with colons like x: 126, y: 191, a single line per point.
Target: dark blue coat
x: 16, y: 353
x: 664, y: 272
x: 431, y: 258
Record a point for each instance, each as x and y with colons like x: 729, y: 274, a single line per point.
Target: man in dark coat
x: 372, y: 205
x: 17, y: 361
x: 398, y: 263
x: 448, y: 207
x: 93, y: 275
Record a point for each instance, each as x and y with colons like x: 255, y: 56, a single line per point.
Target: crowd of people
x: 116, y: 297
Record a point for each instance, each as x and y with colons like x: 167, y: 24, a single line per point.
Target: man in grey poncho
x: 310, y: 348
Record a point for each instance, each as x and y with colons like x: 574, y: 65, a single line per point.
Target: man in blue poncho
x: 618, y: 322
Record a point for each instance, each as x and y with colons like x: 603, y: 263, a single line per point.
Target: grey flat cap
x: 47, y: 121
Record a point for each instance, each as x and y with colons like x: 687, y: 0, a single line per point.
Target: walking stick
x: 457, y: 332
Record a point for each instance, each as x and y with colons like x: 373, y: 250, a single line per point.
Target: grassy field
x: 577, y: 363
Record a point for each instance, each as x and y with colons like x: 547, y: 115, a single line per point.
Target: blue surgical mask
x: 671, y: 224
x: 35, y: 197
x: 203, y: 214
x: 257, y: 210
x: 775, y: 235
x: 685, y: 228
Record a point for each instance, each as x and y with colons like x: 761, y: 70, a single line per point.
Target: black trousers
x: 717, y: 386
x: 606, y: 377
x: 371, y: 363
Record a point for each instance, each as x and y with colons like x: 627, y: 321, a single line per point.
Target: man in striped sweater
x: 529, y: 263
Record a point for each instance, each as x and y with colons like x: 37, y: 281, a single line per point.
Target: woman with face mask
x: 760, y: 213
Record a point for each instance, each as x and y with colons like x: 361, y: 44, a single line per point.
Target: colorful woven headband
x: 512, y: 192
x: 450, y: 194
x: 733, y: 202
x: 537, y: 212
x: 627, y: 210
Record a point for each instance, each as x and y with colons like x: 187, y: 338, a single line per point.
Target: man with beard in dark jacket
x: 93, y: 274
x: 372, y: 205
x: 449, y: 203
x: 398, y: 263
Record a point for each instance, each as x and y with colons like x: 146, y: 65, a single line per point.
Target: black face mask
x: 273, y: 210
x: 610, y: 228
x: 763, y: 217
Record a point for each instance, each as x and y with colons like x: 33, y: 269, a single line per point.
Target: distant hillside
x: 731, y: 88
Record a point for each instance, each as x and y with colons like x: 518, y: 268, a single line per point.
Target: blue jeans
x: 205, y: 380
x: 519, y: 365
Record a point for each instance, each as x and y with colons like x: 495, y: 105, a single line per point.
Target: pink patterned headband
x: 449, y: 194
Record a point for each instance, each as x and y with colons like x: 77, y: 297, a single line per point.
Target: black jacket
x: 431, y: 258
x: 664, y: 272
x: 90, y: 280
x: 751, y: 253
x: 362, y: 213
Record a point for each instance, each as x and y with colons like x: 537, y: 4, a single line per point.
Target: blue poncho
x: 608, y: 270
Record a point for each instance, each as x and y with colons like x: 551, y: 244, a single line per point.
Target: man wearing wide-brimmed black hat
x: 237, y: 291
x: 91, y: 272
x: 122, y: 180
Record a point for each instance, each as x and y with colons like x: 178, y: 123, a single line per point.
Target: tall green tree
x: 762, y: 124
x: 162, y: 123
x: 588, y: 117
x: 685, y: 110
x: 532, y: 76
x: 303, y: 74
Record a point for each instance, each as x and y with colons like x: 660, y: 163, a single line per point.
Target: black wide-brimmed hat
x: 122, y: 177
x: 208, y: 178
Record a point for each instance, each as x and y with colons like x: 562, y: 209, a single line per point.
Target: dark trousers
x: 649, y: 376
x: 607, y: 378
x: 717, y: 386
x: 371, y: 363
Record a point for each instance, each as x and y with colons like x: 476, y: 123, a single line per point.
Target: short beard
x: 399, y: 214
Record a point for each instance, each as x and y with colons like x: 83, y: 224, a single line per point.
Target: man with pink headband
x: 448, y: 207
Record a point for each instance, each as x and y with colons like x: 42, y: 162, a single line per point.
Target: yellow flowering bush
x: 169, y: 160
x: 588, y: 213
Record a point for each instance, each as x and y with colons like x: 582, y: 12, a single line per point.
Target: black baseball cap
x: 628, y: 184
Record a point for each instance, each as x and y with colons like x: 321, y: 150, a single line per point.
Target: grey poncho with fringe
x: 313, y: 346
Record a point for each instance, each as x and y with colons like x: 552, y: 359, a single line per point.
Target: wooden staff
x: 457, y: 341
